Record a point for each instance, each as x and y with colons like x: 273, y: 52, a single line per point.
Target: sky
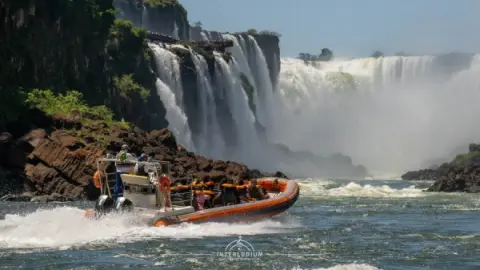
x: 351, y: 28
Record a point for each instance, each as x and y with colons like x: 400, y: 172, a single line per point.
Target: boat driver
x: 125, y: 165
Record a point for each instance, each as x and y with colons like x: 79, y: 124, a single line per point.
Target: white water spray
x: 390, y: 114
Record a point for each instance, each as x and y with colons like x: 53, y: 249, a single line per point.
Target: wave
x: 66, y: 227
x: 323, y: 188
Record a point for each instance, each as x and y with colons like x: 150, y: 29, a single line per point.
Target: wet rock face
x: 61, y: 163
x: 460, y: 175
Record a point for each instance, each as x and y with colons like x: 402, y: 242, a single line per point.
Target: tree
x: 326, y: 55
x: 252, y: 31
x: 377, y: 54
x: 198, y: 24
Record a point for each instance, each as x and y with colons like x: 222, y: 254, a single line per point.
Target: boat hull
x: 289, y: 192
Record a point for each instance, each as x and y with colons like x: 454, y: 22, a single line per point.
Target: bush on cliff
x: 166, y: 4
x: 67, y: 104
x: 128, y: 86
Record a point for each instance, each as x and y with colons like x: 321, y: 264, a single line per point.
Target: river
x: 336, y: 224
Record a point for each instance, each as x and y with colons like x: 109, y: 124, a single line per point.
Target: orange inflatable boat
x: 151, y: 195
x: 282, y: 196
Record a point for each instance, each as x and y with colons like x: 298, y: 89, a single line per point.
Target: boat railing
x: 182, y: 197
x: 108, y: 179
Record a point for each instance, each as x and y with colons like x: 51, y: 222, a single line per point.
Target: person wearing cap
x: 140, y: 168
x: 125, y: 165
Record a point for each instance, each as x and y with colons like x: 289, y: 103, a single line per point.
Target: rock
x: 59, y: 166
x: 280, y: 175
x: 24, y: 197
x: 455, y: 176
x: 6, y: 140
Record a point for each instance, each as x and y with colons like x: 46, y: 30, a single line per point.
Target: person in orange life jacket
x: 255, y: 192
x: 242, y: 193
x: 200, y: 197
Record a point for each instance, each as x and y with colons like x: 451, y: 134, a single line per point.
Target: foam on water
x: 352, y: 266
x: 66, y: 227
x: 323, y: 188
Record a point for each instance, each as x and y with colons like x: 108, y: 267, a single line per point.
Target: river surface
x: 334, y: 225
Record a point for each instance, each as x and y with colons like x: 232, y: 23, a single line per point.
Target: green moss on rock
x: 341, y: 81
x: 250, y: 91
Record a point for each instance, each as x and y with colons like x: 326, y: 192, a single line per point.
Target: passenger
x: 254, y: 191
x: 140, y: 168
x: 125, y: 165
x: 230, y: 197
x: 275, y: 185
x: 242, y: 193
x: 200, y: 200
x: 218, y: 197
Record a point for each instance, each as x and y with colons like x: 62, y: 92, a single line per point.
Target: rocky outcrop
x: 462, y: 174
x: 166, y: 17
x: 62, y: 161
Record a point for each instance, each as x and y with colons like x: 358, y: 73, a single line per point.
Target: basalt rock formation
x: 168, y: 17
x: 57, y: 157
x: 462, y: 174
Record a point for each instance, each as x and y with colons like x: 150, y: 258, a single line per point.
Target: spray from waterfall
x: 391, y: 114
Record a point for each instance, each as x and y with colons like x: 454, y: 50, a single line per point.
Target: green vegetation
x: 250, y: 91
x: 67, y: 104
x: 127, y: 86
x: 341, y: 81
x: 198, y: 24
x: 377, y: 54
x: 325, y: 55
x: 269, y: 33
x: 254, y: 32
x: 463, y: 158
x: 166, y: 4
x: 227, y: 56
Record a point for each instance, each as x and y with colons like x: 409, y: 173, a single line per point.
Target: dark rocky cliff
x: 166, y: 17
x: 462, y: 174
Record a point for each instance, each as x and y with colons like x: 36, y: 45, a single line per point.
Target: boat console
x: 141, y: 188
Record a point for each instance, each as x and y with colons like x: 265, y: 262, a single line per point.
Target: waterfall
x: 211, y: 142
x: 390, y: 113
x: 237, y: 99
x: 175, y: 31
x: 145, y: 23
x: 170, y: 91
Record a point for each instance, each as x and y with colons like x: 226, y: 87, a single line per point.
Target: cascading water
x: 390, y: 113
x: 170, y: 91
x: 211, y: 142
x: 228, y: 79
x: 175, y: 31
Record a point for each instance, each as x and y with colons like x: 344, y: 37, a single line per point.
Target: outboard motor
x: 103, y: 205
x: 124, y: 205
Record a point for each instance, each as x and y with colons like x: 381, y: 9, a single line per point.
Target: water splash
x: 66, y: 227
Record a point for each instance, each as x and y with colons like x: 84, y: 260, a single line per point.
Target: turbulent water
x: 334, y: 225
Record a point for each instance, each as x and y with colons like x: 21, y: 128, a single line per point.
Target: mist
x: 392, y: 115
